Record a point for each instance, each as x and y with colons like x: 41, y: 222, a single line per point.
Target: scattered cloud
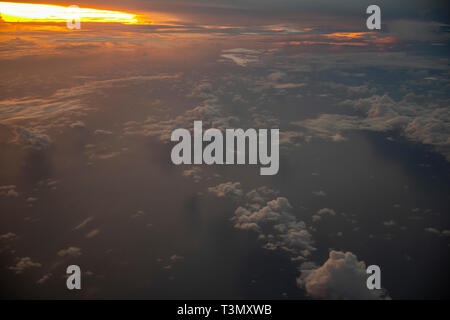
x: 321, y: 213
x: 273, y: 220
x: 8, y: 236
x: 176, y: 257
x: 242, y: 57
x: 44, y: 279
x: 102, y: 132
x: 417, y: 121
x: 443, y: 233
x: 24, y: 264
x: 139, y: 213
x: 227, y: 189
x: 84, y: 223
x: 389, y: 223
x: 194, y: 173
x: 92, y: 233
x: 8, y: 191
x: 70, y: 252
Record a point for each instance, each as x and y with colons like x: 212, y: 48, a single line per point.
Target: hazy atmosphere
x: 86, y: 175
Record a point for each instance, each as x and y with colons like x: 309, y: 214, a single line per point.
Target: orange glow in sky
x: 347, y: 35
x: 27, y: 12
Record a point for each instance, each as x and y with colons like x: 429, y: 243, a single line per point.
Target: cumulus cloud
x: 70, y: 252
x: 194, y: 173
x: 292, y: 138
x: 277, y: 227
x: 418, y: 121
x: 24, y: 264
x: 342, y: 276
x: 8, y: 191
x: 215, y: 112
x: 323, y: 212
x: 32, y: 138
x: 210, y: 111
x: 227, y: 189
x: 259, y: 196
x: 273, y: 220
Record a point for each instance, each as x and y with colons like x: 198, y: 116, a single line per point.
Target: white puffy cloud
x: 342, y: 276
x: 278, y: 228
x: 273, y: 220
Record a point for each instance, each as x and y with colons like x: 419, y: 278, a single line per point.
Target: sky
x: 86, y: 176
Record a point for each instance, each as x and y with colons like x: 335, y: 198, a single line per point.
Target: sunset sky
x: 85, y: 171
